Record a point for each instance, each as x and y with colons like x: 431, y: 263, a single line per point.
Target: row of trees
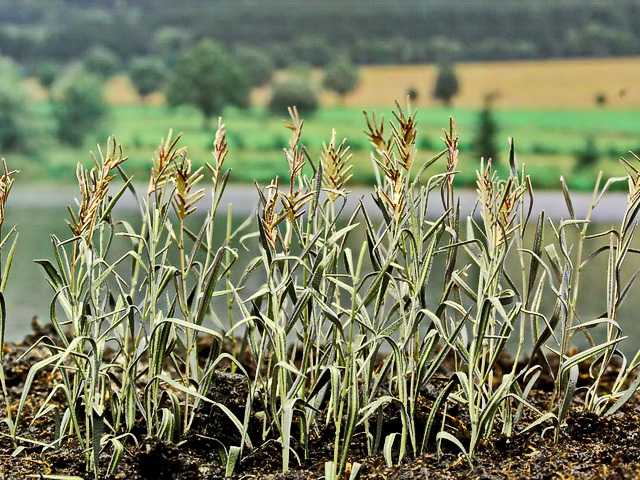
x: 208, y: 77
x: 202, y: 67
x: 76, y: 102
x: 205, y: 75
x: 208, y: 67
x: 78, y: 106
x: 316, y: 32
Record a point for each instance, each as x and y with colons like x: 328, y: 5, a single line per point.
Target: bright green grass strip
x: 546, y: 140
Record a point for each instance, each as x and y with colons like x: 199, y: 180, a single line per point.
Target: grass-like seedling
x: 328, y: 336
x: 8, y: 243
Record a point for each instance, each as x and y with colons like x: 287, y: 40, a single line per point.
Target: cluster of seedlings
x: 326, y: 336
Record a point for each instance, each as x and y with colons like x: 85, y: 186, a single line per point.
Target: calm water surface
x: 29, y: 295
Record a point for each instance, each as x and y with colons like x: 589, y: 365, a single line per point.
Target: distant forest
x: 313, y: 31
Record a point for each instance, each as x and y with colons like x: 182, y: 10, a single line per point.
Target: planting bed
x: 590, y: 447
x: 347, y: 348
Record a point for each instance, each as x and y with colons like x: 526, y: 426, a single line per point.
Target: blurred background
x: 562, y: 77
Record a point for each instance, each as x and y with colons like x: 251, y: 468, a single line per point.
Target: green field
x: 546, y: 140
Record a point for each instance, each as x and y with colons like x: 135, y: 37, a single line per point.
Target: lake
x: 29, y: 295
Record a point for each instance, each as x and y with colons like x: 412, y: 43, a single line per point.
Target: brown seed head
x: 270, y: 218
x: 220, y: 151
x: 186, y: 195
x: 6, y: 182
x: 94, y: 188
x: 336, y: 166
x: 375, y: 132
x: 451, y: 140
x: 404, y: 136
x: 164, y: 161
x: 294, y: 153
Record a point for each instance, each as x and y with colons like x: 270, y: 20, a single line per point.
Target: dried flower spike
x: 498, y: 200
x: 269, y: 219
x: 375, y: 132
x: 94, y: 187
x: 451, y: 141
x: 6, y: 182
x: 220, y: 151
x: 296, y: 198
x: 336, y: 166
x: 392, y: 193
x: 404, y: 136
x: 294, y: 153
x: 164, y: 160
x: 186, y: 195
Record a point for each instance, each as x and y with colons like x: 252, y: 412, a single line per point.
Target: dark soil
x: 590, y: 447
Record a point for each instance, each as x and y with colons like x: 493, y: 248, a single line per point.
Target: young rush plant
x: 8, y: 242
x: 126, y: 346
x: 368, y: 323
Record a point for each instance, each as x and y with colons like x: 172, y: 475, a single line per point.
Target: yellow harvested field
x: 535, y: 84
x: 34, y: 90
x: 120, y: 91
x: 549, y: 84
x: 543, y: 84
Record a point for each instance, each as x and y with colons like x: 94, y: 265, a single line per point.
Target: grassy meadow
x: 547, y: 141
x: 547, y: 106
x: 312, y: 342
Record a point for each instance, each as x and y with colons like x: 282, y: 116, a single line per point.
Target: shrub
x: 594, y: 38
x: 294, y: 91
x: 377, y: 51
x: 446, y: 86
x: 46, y: 73
x: 412, y: 94
x: 148, y: 74
x: 169, y: 42
x: 588, y: 156
x: 495, y: 48
x: 487, y: 129
x: 168, y: 39
x: 208, y: 78
x: 78, y: 106
x: 539, y: 148
x: 600, y: 99
x: 301, y: 70
x: 257, y: 65
x: 15, y: 117
x: 281, y: 55
x: 101, y: 61
x: 341, y: 77
x: 312, y: 49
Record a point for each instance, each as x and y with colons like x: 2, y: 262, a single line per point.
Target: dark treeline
x: 370, y: 31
